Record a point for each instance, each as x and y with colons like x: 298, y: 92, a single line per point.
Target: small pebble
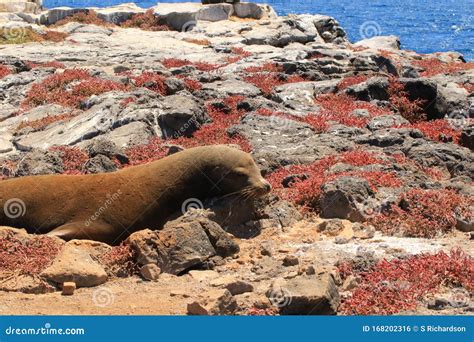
x: 290, y: 260
x: 68, y: 288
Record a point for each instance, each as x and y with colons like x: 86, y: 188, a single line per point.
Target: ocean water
x: 423, y: 25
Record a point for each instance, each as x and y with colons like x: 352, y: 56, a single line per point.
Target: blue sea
x: 423, y: 25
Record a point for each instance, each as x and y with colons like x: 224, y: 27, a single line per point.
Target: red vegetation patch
x: 145, y: 21
x: 398, y: 285
x: 350, y: 81
x: 4, y: 71
x: 413, y: 111
x: 141, y: 154
x: 468, y: 86
x: 216, y: 132
x: 439, y: 130
x: 68, y: 89
x: 268, y: 76
x: 305, y: 187
x: 359, y: 48
x: 267, y: 67
x: 339, y: 108
x: 434, y: 66
x: 318, y: 122
x: 239, y: 53
x: 178, y: 63
x: 27, y: 255
x: 120, y: 260
x: 152, y: 81
x: 40, y: 124
x: 224, y: 115
x: 432, y: 172
x: 51, y: 64
x: 175, y: 63
x: 54, y: 36
x: 73, y: 158
x: 127, y: 101
x: 192, y: 85
x: 93, y: 86
x: 88, y: 17
x: 28, y: 35
x: 425, y: 213
x: 267, y: 82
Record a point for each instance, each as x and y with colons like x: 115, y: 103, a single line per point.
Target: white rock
x: 28, y: 6
x: 381, y: 42
x: 249, y: 10
x: 75, y: 264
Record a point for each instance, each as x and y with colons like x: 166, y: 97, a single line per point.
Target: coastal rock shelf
x: 176, y: 15
x: 368, y: 147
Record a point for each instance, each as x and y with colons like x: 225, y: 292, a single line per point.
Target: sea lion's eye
x: 238, y: 174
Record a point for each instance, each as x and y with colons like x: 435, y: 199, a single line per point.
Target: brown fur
x: 131, y: 199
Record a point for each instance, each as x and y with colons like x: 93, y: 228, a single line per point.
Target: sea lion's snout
x: 264, y: 188
x: 236, y: 173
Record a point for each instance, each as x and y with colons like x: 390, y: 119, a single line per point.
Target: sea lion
x: 108, y: 207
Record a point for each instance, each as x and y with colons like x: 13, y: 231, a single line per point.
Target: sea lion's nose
x: 267, y: 187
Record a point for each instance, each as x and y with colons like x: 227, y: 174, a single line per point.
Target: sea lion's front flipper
x: 97, y: 231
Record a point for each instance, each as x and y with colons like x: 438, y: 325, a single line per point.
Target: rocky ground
x: 368, y: 148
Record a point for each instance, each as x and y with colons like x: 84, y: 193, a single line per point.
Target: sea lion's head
x: 232, y: 171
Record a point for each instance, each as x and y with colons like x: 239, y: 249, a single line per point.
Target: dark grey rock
x: 435, y: 104
x: 386, y: 121
x: 174, y: 85
x: 290, y: 260
x: 281, y: 211
x: 274, y: 139
x: 467, y: 138
x: 107, y: 148
x: 375, y: 88
x: 182, y: 244
x: 343, y: 197
x: 181, y: 116
x: 455, y: 159
x: 389, y: 137
x: 175, y: 249
x: 305, y: 295
x: 220, y: 240
x: 38, y: 162
x: 99, y: 164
